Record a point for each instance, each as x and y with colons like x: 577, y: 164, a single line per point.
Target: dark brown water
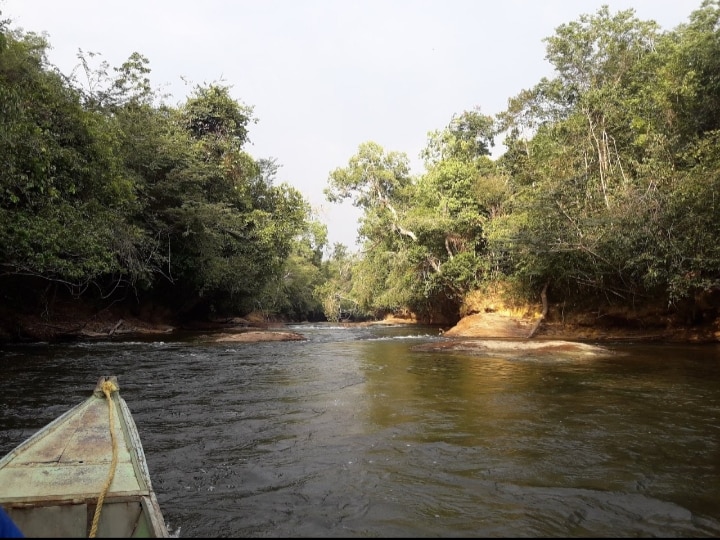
x: 353, y: 434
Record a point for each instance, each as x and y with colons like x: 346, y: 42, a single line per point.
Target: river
x: 352, y: 433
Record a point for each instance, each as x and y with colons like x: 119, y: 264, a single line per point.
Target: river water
x: 352, y: 433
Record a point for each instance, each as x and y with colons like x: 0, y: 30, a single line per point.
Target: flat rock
x: 255, y: 336
x: 515, y: 347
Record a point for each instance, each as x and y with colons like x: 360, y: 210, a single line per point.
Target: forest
x: 608, y: 193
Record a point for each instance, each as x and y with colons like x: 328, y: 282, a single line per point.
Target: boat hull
x: 51, y: 484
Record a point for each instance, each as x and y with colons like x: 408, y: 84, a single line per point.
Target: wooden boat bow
x: 84, y: 474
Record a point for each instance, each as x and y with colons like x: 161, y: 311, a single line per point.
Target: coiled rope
x: 108, y: 387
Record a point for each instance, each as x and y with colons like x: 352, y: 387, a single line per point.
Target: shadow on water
x: 353, y: 433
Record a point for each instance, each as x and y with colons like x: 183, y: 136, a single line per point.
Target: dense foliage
x: 108, y: 194
x: 607, y: 193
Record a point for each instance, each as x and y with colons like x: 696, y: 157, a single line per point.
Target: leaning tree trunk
x: 543, y: 297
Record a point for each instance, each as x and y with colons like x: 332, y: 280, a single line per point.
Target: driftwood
x: 543, y: 297
x: 114, y: 328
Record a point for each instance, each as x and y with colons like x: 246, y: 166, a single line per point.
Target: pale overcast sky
x: 324, y: 76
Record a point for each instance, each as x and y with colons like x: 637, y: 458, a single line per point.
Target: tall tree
x: 379, y: 183
x: 63, y: 192
x: 579, y: 175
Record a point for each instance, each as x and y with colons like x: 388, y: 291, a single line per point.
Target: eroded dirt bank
x: 496, y: 325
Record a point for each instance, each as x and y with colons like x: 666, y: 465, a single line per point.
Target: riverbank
x: 75, y: 322
x: 582, y: 327
x: 78, y: 322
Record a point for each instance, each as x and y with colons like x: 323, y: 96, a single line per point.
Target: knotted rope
x: 108, y: 387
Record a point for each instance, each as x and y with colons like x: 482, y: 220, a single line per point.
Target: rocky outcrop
x: 582, y: 327
x: 491, y: 325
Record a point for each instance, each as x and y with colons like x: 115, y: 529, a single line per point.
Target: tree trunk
x: 543, y: 297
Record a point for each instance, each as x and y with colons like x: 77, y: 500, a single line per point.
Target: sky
x: 324, y: 76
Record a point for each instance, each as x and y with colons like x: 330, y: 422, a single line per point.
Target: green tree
x: 341, y: 290
x: 379, y: 183
x: 452, y: 203
x: 62, y: 190
x: 105, y: 190
x: 231, y: 230
x: 578, y: 179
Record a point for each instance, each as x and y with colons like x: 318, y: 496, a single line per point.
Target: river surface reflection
x: 353, y: 433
